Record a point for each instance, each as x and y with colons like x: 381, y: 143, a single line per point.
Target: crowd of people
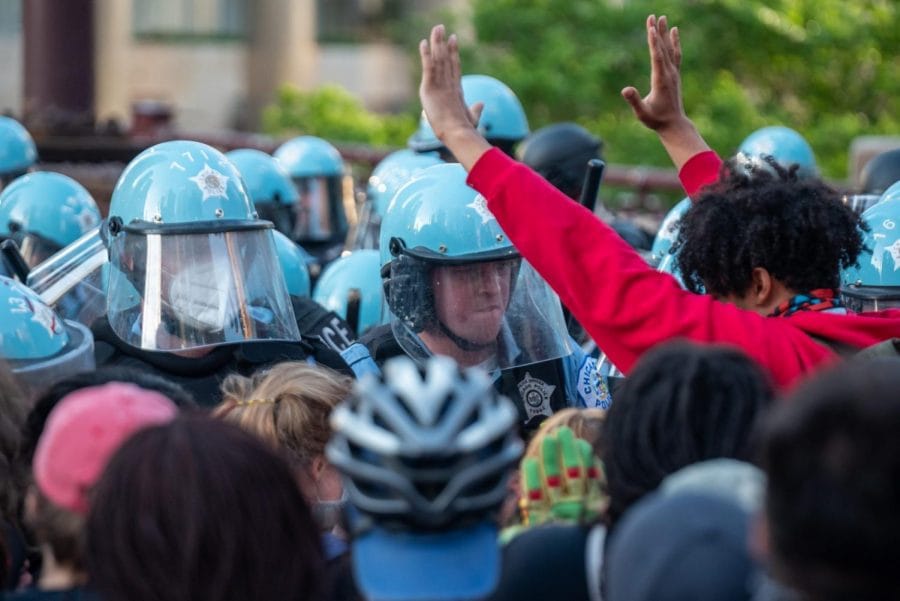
x: 476, y: 385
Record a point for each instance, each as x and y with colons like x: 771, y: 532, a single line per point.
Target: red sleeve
x: 624, y: 305
x: 701, y: 170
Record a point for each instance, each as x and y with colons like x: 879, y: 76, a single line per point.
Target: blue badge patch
x: 593, y: 390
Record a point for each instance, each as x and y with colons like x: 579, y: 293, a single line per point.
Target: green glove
x: 564, y: 483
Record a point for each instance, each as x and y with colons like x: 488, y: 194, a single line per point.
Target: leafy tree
x: 331, y: 112
x: 827, y: 68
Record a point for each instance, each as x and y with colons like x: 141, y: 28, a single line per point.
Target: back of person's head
x: 426, y: 451
x: 49, y: 398
x: 832, y: 456
x: 683, y: 403
x: 12, y: 417
x: 799, y: 230
x: 199, y: 509
x: 13, y: 476
x: 82, y: 433
x: 586, y: 424
x: 288, y: 406
x: 684, y: 546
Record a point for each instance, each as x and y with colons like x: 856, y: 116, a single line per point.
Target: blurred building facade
x: 217, y: 63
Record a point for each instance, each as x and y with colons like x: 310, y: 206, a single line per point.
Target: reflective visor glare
x: 313, y: 219
x: 34, y: 249
x: 860, y: 202
x: 170, y: 292
x: 503, y: 306
x: 868, y: 305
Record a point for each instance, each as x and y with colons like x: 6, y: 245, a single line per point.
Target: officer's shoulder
x: 382, y: 343
x: 261, y: 353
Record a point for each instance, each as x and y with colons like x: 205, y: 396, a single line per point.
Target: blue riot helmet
x: 882, y: 172
x: 503, y: 121
x: 294, y: 262
x: 393, y: 172
x: 191, y: 264
x: 862, y: 202
x: 17, y: 150
x: 326, y: 207
x: 388, y: 176
x: 269, y: 186
x: 351, y: 287
x: 668, y: 232
x: 39, y: 347
x: 44, y: 212
x: 783, y: 144
x: 456, y: 285
x: 662, y: 255
x: 873, y: 283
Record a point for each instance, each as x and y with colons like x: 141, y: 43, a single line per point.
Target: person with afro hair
x: 774, y: 267
x: 797, y: 230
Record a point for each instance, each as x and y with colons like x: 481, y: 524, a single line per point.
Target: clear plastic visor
x: 281, y: 215
x: 865, y: 300
x: 76, y: 357
x: 368, y: 228
x: 320, y: 213
x: 860, y: 202
x: 71, y: 281
x: 35, y: 249
x: 500, y: 314
x: 171, y: 292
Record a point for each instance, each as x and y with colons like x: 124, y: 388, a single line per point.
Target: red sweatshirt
x: 626, y: 306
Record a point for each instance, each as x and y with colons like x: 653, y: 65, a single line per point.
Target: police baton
x: 13, y: 260
x: 591, y: 187
x: 354, y: 302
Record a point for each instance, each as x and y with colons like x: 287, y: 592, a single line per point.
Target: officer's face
x: 472, y: 299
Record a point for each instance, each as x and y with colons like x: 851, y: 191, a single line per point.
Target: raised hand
x: 442, y: 98
x: 564, y: 483
x: 662, y: 109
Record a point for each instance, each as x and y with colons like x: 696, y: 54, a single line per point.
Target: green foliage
x: 827, y: 68
x: 332, y: 113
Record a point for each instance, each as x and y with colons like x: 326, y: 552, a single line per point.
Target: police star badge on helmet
x: 191, y: 264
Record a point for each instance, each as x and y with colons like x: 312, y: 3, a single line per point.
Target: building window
x: 355, y: 21
x: 188, y: 20
x: 10, y: 17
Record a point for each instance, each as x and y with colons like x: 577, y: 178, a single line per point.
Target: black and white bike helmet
x: 425, y: 447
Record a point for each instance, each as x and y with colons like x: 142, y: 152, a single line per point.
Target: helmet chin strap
x: 463, y: 343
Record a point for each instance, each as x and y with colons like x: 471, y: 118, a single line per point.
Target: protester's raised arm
x: 662, y: 109
x: 442, y: 99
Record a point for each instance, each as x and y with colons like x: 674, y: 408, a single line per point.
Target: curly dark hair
x: 683, y: 403
x: 797, y: 229
x: 832, y: 456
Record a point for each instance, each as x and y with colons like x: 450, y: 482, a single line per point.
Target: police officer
x: 456, y: 286
x: 351, y: 287
x: 273, y: 194
x: 194, y: 289
x: 388, y: 176
x: 43, y: 212
x: 18, y: 153
x: 784, y: 144
x: 269, y: 186
x: 873, y: 284
x: 39, y: 347
x: 560, y: 153
x: 502, y: 122
x: 326, y: 207
x: 882, y: 172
